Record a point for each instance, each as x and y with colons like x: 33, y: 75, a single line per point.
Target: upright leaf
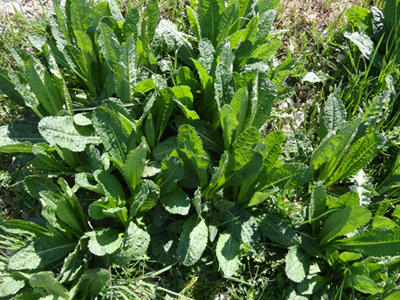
x: 297, y: 264
x: 133, y: 168
x: 342, y: 222
x: 333, y: 116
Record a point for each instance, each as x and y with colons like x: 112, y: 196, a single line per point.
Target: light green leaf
x: 110, y: 185
x: 149, y: 23
x: 176, y: 202
x: 363, y: 284
x: 40, y: 252
x: 278, y: 231
x: 193, y: 240
x: 164, y: 149
x: 104, y: 241
x: 374, y: 242
x: 287, y: 176
x: 136, y: 240
x: 131, y: 24
x: 333, y: 117
x: 309, y: 286
x: 127, y: 71
x: 114, y: 135
x: 264, y: 26
x: 133, y: 168
x: 19, y: 137
x: 342, y: 222
x: 241, y: 224
x: 94, y: 280
x: 208, y: 13
x: 47, y: 281
x: 360, y: 154
x: 10, y: 286
x: 274, y: 142
x: 194, y: 23
x: 63, y: 132
x: 297, y: 264
x: 171, y: 173
x: 229, y: 124
x: 266, y: 50
x: 228, y: 251
x: 317, y: 206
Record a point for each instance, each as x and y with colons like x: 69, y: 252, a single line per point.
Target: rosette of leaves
x: 93, y: 53
x: 342, y: 251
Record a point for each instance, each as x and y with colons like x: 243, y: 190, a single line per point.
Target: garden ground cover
x: 247, y: 149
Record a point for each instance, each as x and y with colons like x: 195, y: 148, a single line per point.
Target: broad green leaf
x: 63, y: 132
x: 19, y: 137
x: 239, y: 105
x: 110, y: 185
x: 359, y: 155
x: 161, y: 111
x: 243, y: 163
x: 73, y: 265
x: 164, y: 149
x: 208, y: 15
x: 342, y: 222
x: 210, y: 138
x: 176, y: 202
x: 264, y: 5
x: 363, y: 284
x: 228, y: 252
x: 40, y: 252
x: 149, y: 23
x: 333, y: 117
x: 360, y: 17
x: 130, y: 26
x: 241, y: 224
x: 171, y: 173
x: 317, y: 206
x: 7, y: 87
x: 114, y: 135
x: 278, y: 231
x: 127, y: 71
x: 297, y: 264
x: 23, y: 227
x: 41, y: 150
x: 104, y: 241
x: 42, y: 86
x: 287, y: 176
x: 229, y: 124
x: 374, y: 242
x: 393, y: 294
x: 193, y: 21
x: 383, y: 222
x: 226, y: 20
x: 264, y: 26
x: 262, y: 99
x: 310, y: 286
x: 206, y: 56
x: 265, y: 51
x: 133, y: 168
x: 10, y: 286
x: 346, y: 257
x: 136, y: 240
x: 163, y: 246
x: 346, y: 200
x: 332, y: 149
x: 176, y: 41
x: 47, y: 281
x: 80, y: 14
x: 109, y: 44
x: 274, y: 142
x: 249, y: 138
x: 151, y: 197
x: 94, y: 280
x: 366, y: 47
x: 192, y: 241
